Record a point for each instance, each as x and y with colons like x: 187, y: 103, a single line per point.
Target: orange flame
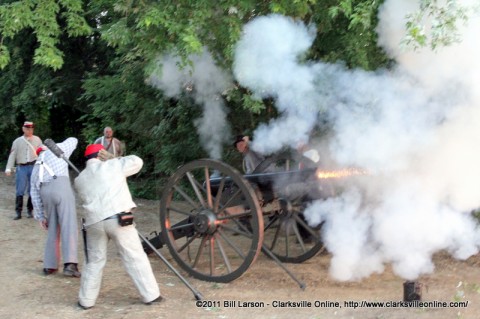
x: 321, y: 174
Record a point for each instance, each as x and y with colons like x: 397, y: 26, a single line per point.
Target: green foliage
x: 253, y: 104
x: 4, y: 56
x: 77, y: 66
x: 297, y: 8
x: 361, y: 14
x: 42, y: 16
x: 435, y: 24
x: 349, y: 34
x: 15, y: 17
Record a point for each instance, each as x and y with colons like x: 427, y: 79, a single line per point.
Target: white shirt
x: 103, y: 187
x: 58, y: 166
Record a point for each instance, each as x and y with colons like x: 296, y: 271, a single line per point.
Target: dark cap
x: 238, y: 138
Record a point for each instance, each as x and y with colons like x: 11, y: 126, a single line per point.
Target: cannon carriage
x: 215, y: 221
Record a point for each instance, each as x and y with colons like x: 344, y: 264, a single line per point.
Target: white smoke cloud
x: 415, y: 128
x: 206, y: 82
x: 268, y: 63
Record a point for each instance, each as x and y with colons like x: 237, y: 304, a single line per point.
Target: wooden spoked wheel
x: 289, y: 237
x: 211, y: 221
x: 287, y: 234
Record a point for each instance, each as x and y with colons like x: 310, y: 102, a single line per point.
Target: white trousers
x: 134, y: 260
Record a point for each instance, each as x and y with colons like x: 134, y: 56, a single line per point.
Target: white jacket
x: 103, y: 187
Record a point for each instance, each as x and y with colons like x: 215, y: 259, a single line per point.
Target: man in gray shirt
x: 251, y: 159
x: 23, y: 153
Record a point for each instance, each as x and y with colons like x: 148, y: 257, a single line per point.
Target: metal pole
x: 84, y: 233
x: 279, y: 263
x: 53, y: 147
x: 198, y: 295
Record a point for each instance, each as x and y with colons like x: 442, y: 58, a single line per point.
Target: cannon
x: 215, y: 221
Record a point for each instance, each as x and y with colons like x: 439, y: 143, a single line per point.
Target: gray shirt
x: 23, y: 151
x: 251, y: 160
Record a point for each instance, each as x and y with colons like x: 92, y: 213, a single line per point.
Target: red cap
x: 93, y: 148
x: 28, y: 124
x: 39, y: 150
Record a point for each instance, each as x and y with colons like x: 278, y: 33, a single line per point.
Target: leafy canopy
x: 47, y: 19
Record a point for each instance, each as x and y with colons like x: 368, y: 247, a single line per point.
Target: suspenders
x: 44, y: 166
x: 112, y: 143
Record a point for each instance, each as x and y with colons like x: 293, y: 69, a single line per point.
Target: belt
x: 115, y: 216
x: 27, y: 164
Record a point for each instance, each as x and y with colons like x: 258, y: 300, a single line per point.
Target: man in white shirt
x: 103, y: 188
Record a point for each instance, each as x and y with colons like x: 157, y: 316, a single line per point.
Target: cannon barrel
x: 286, y: 184
x: 269, y: 180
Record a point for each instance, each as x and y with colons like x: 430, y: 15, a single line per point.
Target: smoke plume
x: 206, y: 82
x: 415, y: 129
x: 266, y: 61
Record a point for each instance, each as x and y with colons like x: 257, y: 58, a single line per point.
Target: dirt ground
x: 26, y: 293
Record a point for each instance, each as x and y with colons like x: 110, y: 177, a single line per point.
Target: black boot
x: 71, y: 270
x: 29, y: 207
x: 18, y: 207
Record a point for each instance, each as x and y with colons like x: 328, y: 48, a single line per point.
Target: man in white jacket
x: 103, y: 188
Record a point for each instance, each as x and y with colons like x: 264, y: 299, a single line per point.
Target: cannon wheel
x: 287, y: 234
x: 213, y: 231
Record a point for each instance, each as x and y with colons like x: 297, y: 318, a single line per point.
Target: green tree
x: 48, y: 20
x: 48, y: 96
x: 81, y: 65
x: 442, y: 20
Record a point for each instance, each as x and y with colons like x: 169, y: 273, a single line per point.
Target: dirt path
x: 26, y: 293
